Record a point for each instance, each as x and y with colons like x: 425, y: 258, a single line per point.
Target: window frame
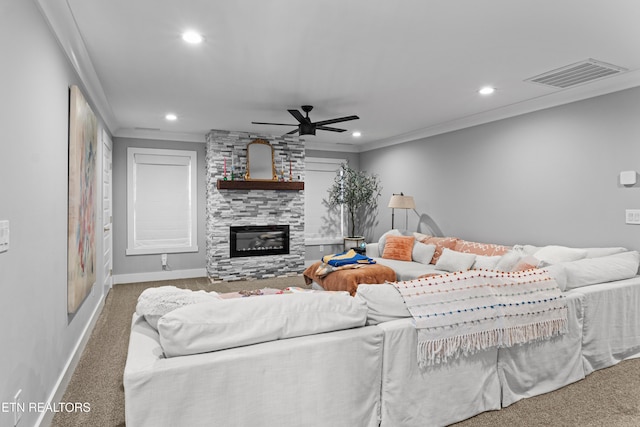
x: 192, y: 156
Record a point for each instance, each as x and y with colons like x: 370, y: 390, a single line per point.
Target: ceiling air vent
x: 576, y: 74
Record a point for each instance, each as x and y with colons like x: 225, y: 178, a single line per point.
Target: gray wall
x: 548, y: 177
x: 131, y: 264
x: 37, y: 336
x: 313, y: 252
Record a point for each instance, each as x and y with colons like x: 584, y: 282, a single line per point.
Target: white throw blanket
x: 462, y: 313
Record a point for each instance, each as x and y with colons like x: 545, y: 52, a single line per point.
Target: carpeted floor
x: 609, y: 397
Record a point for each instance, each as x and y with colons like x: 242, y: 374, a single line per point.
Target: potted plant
x: 357, y: 191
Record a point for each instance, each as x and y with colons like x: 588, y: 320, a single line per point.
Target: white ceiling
x: 408, y: 68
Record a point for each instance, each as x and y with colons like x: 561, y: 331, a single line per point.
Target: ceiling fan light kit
x: 306, y: 126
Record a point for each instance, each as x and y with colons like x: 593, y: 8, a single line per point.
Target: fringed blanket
x: 462, y: 313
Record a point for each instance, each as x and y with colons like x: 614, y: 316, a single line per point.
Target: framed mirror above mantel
x: 260, y: 165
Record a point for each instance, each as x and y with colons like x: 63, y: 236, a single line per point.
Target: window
x: 161, y: 201
x: 322, y: 225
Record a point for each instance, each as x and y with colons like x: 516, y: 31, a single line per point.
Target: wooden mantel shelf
x: 260, y: 185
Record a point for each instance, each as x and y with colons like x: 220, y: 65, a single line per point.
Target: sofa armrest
x: 372, y: 250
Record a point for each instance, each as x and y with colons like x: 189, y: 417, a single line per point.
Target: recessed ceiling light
x: 171, y: 117
x: 357, y: 134
x: 192, y: 37
x: 487, y: 90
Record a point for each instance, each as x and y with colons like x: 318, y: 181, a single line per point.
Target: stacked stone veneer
x: 252, y: 207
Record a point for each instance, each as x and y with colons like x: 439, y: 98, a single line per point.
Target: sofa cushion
x: 423, y: 253
x: 398, y: 247
x: 554, y: 254
x: 591, y: 271
x: 598, y: 252
x: 455, y: 261
x: 222, y: 324
x: 408, y: 270
x: 384, y: 302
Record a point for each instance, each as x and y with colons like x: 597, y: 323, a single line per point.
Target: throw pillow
x: 508, y: 260
x: 398, y: 247
x: 383, y: 239
x: 440, y: 243
x: 486, y: 262
x: 526, y: 263
x: 451, y: 261
x: 153, y: 303
x: 553, y: 254
x: 487, y: 249
x: 423, y: 253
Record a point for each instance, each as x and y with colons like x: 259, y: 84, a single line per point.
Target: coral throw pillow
x: 398, y: 247
x: 440, y: 243
x: 486, y: 249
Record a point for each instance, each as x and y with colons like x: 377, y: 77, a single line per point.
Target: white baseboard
x: 159, y: 275
x: 46, y: 417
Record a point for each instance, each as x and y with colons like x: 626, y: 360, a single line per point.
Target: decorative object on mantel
x: 357, y: 191
x: 400, y: 201
x: 260, y: 166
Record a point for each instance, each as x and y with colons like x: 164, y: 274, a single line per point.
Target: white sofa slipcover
x: 329, y: 379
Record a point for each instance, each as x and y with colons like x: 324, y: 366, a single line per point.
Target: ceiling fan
x: 306, y: 126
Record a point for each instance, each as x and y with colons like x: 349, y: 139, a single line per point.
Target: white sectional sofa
x: 368, y: 375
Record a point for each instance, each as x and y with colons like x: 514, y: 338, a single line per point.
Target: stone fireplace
x: 247, y: 208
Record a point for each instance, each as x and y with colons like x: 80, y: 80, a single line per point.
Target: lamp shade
x: 400, y: 201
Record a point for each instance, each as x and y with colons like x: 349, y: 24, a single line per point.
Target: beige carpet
x: 610, y: 397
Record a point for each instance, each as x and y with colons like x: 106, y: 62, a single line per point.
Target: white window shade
x: 162, y: 203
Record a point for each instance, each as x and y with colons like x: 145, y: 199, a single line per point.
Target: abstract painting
x: 81, y: 247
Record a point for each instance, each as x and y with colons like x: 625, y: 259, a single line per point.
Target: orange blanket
x: 348, y: 280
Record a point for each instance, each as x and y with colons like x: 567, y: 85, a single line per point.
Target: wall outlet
x: 321, y: 249
x: 164, y: 261
x: 18, y: 407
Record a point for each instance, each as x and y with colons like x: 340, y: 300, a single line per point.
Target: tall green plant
x: 355, y: 190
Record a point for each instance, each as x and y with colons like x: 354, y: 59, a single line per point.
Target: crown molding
x: 160, y: 135
x: 618, y: 83
x: 330, y: 146
x: 63, y: 24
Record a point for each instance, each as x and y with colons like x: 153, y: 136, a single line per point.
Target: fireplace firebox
x: 258, y: 240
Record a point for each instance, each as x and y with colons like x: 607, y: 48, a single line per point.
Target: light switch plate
x: 632, y: 216
x: 4, y: 236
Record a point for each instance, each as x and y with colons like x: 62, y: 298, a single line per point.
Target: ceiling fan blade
x: 292, y: 132
x: 298, y: 115
x: 330, y: 129
x: 278, y: 124
x: 341, y: 119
